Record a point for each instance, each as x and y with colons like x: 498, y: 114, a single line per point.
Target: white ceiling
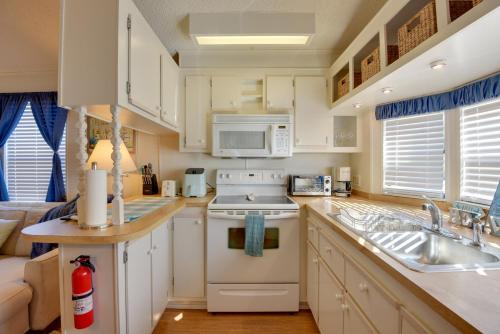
x: 337, y: 21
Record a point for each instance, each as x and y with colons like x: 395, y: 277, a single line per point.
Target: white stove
x: 238, y: 282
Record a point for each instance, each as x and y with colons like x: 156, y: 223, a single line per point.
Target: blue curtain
x: 11, y: 109
x: 51, y: 120
x: 473, y: 93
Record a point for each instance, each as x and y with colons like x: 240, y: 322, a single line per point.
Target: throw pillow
x: 6, y: 228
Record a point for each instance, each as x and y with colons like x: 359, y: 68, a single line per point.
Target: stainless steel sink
x: 428, y: 251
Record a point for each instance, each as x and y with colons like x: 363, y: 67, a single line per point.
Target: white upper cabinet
x: 115, y: 61
x: 226, y: 93
x: 279, y: 93
x: 144, y: 83
x: 197, y: 111
x: 169, y: 89
x: 313, y: 121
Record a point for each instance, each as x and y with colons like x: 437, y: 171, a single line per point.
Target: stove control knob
x: 327, y: 181
x: 273, y: 176
x: 221, y: 176
x: 228, y: 176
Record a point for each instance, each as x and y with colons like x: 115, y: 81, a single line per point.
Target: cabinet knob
x: 198, y: 222
x: 338, y: 296
x: 329, y: 249
x: 315, y: 260
x: 201, y: 141
x: 297, y: 141
x: 311, y: 229
x: 344, y: 307
x: 363, y: 287
x: 155, y: 247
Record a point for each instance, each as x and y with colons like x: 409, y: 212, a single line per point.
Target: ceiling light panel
x: 251, y: 28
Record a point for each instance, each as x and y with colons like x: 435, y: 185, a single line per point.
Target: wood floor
x: 202, y: 322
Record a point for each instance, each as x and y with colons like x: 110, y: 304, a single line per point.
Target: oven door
x: 242, y: 140
x: 226, y: 258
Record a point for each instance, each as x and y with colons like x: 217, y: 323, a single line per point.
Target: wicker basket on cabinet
x: 419, y: 28
x: 460, y: 7
x: 343, y: 86
x: 370, y: 65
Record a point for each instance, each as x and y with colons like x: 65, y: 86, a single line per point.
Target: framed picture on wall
x: 97, y: 129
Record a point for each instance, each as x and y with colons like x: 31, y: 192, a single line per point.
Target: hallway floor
x: 201, y: 322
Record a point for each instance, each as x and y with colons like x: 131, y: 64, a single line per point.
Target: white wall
x: 173, y: 163
x: 29, y: 38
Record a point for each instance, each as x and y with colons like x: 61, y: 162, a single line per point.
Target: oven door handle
x: 242, y: 217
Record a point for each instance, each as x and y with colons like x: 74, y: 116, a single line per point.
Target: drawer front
x: 333, y: 257
x: 380, y: 308
x: 253, y: 297
x: 313, y: 233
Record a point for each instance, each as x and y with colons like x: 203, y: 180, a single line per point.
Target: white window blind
x: 414, y: 155
x: 480, y: 152
x: 28, y: 161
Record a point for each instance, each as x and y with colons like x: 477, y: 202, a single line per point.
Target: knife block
x: 149, y: 188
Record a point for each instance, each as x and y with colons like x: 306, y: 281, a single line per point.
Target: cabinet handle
x: 198, y: 222
x: 315, y: 260
x: 326, y: 140
x: 338, y: 296
x: 149, y: 252
x: 344, y: 307
x: 329, y: 249
x: 363, y: 287
x: 201, y: 141
x: 311, y: 229
x: 297, y: 141
x: 155, y: 247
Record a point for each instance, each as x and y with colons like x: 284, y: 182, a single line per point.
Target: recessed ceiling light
x: 387, y: 90
x: 438, y: 64
x: 357, y: 105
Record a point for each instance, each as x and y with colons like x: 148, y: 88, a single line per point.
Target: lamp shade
x: 102, y: 155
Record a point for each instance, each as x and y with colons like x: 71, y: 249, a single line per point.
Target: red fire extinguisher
x: 81, y: 279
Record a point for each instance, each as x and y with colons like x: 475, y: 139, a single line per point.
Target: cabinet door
x: 346, y: 133
x: 226, y: 93
x: 144, y: 91
x: 169, y: 89
x: 354, y: 320
x: 330, y: 311
x: 189, y: 257
x: 313, y: 122
x: 138, y: 285
x: 279, y: 91
x: 197, y: 111
x: 159, y: 260
x: 411, y: 325
x: 312, y: 281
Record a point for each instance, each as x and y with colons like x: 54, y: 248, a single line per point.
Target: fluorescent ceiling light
x: 252, y: 40
x: 252, y: 28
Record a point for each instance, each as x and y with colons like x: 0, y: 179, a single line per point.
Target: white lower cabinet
x: 313, y: 281
x: 189, y: 257
x: 147, y: 280
x: 330, y: 307
x: 345, y: 297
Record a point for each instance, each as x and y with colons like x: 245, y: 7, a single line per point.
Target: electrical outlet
x: 356, y: 180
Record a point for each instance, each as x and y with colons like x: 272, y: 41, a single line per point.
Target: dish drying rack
x: 370, y: 223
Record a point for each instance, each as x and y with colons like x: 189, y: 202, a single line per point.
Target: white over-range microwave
x: 252, y: 136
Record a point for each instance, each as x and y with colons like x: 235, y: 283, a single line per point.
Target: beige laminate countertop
x: 468, y: 300
x: 68, y: 232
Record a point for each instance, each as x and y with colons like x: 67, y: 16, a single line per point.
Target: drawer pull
x: 344, y: 307
x: 338, y: 296
x: 311, y: 229
x: 363, y: 287
x: 329, y: 249
x: 315, y: 261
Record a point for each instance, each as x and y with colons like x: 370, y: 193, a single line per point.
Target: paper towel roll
x: 97, y: 199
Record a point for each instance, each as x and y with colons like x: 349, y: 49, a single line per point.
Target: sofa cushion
x: 14, y: 296
x: 6, y: 228
x: 23, y: 246
x: 12, y: 268
x: 9, y: 246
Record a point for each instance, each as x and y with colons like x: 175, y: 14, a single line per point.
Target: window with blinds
x: 414, y: 155
x: 480, y: 152
x: 28, y: 161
